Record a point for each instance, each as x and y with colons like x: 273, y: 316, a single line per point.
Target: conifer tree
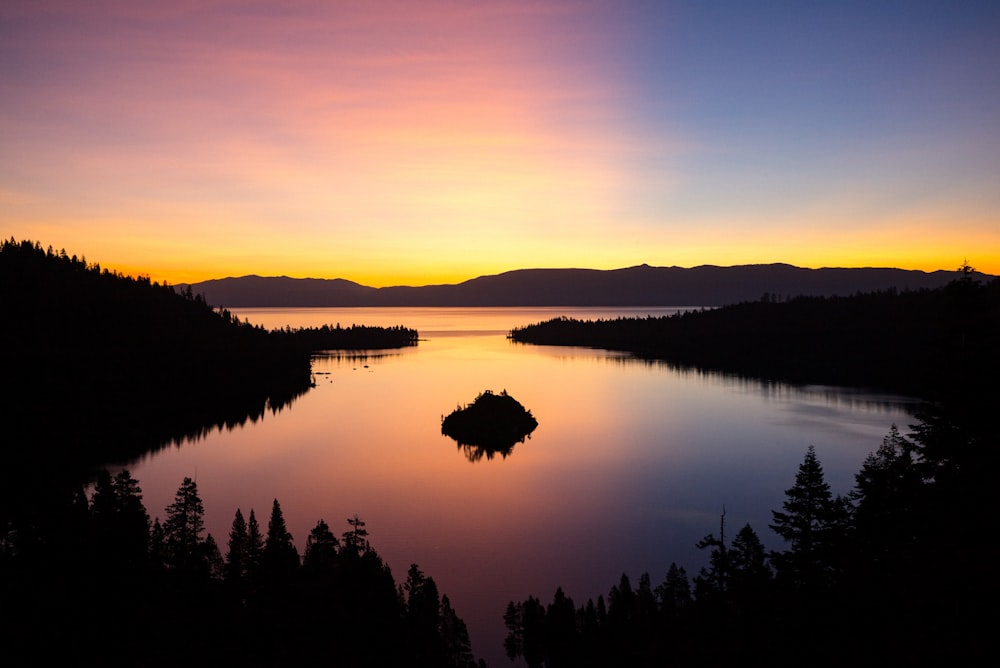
x: 183, y: 528
x: 455, y: 635
x: 157, y: 546
x: 356, y: 540
x: 674, y: 594
x: 750, y: 575
x: 887, y: 491
x: 811, y: 524
x: 120, y: 522
x: 236, y: 556
x: 321, y: 549
x: 747, y: 557
x: 254, y: 548
x: 211, y: 558
x: 560, y: 631
x: 280, y: 558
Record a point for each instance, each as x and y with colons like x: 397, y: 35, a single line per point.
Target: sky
x: 412, y: 143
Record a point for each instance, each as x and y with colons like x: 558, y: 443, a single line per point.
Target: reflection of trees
x: 859, y: 576
x: 492, y: 424
x: 909, y: 342
x: 476, y: 452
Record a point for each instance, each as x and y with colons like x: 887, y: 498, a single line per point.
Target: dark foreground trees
x: 110, y: 588
x: 895, y: 574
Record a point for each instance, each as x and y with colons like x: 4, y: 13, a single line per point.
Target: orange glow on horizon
x: 393, y: 143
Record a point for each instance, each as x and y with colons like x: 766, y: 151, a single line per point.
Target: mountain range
x: 642, y: 285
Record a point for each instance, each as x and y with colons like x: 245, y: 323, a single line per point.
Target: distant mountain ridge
x: 643, y: 285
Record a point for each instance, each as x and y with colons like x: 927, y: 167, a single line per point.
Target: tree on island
x: 492, y: 423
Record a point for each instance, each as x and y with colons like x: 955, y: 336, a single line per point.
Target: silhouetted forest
x: 919, y: 342
x: 104, y: 585
x: 897, y: 572
x: 102, y: 367
x: 492, y: 424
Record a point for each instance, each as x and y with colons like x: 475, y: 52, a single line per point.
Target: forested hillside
x: 920, y: 342
x: 102, y: 366
x: 894, y: 573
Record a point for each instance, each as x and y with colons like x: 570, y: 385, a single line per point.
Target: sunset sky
x: 404, y: 142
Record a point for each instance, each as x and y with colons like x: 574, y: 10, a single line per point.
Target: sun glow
x: 399, y: 143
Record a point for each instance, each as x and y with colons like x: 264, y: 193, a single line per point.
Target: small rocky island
x: 493, y: 423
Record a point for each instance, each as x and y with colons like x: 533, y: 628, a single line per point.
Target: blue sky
x: 398, y: 143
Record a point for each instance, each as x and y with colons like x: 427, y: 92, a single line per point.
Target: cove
x: 631, y: 464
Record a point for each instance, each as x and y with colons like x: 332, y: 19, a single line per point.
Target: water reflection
x: 354, y: 357
x: 635, y: 452
x: 492, y: 424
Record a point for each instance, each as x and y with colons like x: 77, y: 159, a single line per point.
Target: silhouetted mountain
x: 633, y: 286
x: 283, y: 291
x: 921, y: 342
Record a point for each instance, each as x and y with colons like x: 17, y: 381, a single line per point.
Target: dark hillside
x: 633, y: 286
x: 923, y: 342
x: 102, y: 366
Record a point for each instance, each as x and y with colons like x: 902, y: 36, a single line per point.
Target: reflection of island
x: 493, y: 423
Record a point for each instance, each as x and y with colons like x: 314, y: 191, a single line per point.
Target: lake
x: 631, y: 464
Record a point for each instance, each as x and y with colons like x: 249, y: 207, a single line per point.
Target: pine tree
x: 525, y: 624
x: 455, y: 635
x: 887, y: 491
x: 120, y: 523
x: 750, y: 573
x: 157, y: 546
x: 211, y: 558
x: 254, y: 548
x: 747, y: 556
x: 183, y: 528
x: 280, y: 558
x: 236, y: 556
x: 812, y: 523
x: 321, y: 549
x: 560, y: 631
x: 356, y: 540
x: 674, y: 594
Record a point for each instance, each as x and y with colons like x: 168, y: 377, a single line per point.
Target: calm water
x: 630, y: 466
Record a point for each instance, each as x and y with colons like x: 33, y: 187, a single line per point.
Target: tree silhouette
x: 750, y: 573
x: 811, y: 523
x: 182, y: 530
x: 714, y: 580
x: 254, y: 548
x: 280, y: 559
x: 236, y: 556
x: 674, y: 594
x: 455, y: 636
x: 525, y: 624
x: 423, y: 618
x: 120, y: 523
x: 356, y: 540
x: 321, y: 549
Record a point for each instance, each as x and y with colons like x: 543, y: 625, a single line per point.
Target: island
x: 491, y: 424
